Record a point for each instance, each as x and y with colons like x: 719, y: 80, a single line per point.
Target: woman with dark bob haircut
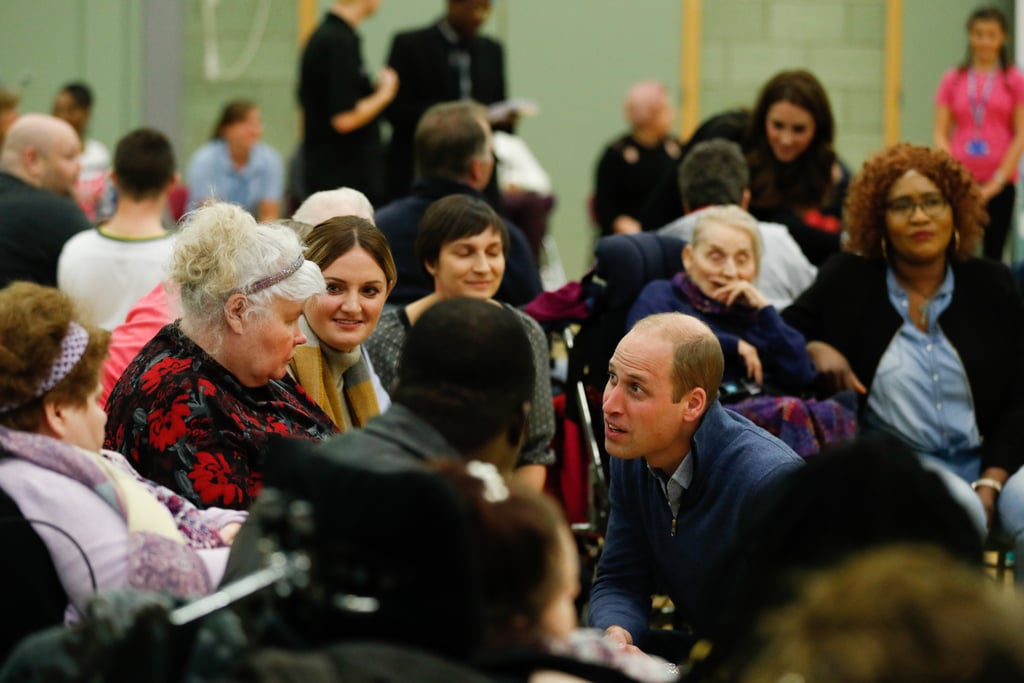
x: 462, y: 244
x: 929, y: 336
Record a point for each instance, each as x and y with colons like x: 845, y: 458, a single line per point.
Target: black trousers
x: 1000, y: 217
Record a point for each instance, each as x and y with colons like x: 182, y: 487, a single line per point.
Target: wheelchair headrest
x: 628, y: 262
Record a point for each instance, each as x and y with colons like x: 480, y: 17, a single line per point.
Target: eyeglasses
x: 933, y: 205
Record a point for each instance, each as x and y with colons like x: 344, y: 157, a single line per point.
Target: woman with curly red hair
x: 103, y: 525
x: 928, y: 335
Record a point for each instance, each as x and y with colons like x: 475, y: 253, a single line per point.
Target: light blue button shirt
x: 674, y: 486
x: 920, y: 392
x: 212, y: 175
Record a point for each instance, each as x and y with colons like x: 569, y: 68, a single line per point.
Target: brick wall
x: 269, y: 80
x: 745, y: 42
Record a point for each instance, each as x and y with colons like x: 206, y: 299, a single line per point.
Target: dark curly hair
x: 807, y: 180
x: 33, y: 321
x: 520, y: 552
x: 864, y: 213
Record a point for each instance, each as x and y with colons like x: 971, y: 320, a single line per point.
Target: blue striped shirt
x: 920, y: 392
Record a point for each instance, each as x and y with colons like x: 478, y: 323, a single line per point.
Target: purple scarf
x: 739, y: 315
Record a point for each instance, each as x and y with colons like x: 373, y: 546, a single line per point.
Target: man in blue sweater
x: 684, y: 472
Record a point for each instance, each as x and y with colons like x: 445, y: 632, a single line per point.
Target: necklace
x: 922, y: 311
x: 923, y: 306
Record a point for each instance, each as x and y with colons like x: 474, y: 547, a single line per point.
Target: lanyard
x: 977, y: 104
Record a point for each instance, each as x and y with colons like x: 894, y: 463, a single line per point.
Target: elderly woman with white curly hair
x: 196, y: 407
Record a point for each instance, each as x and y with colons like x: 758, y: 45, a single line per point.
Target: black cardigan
x: 848, y: 307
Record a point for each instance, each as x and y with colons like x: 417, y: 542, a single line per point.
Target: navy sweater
x: 735, y: 462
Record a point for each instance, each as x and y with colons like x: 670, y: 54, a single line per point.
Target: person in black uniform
x: 631, y: 166
x: 341, y: 141
x: 445, y: 61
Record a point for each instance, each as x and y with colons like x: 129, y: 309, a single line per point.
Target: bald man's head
x: 648, y: 108
x: 343, y: 201
x: 43, y: 151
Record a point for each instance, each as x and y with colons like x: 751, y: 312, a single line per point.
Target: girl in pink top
x: 979, y: 119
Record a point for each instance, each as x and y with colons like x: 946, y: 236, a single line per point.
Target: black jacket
x: 420, y: 58
x: 848, y: 307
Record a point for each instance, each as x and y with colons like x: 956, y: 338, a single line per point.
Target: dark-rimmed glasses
x: 932, y: 204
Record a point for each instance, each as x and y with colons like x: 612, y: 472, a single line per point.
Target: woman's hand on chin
x: 740, y: 291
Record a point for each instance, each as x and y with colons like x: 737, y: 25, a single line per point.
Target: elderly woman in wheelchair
x: 767, y: 366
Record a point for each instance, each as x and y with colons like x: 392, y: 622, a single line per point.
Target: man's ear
x: 172, y: 183
x: 480, y: 170
x: 32, y: 162
x: 745, y: 200
x: 695, y: 402
x: 234, y: 309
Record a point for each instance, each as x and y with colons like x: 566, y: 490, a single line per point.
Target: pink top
x: 999, y: 93
x: 144, y: 320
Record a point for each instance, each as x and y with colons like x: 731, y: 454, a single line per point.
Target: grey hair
x: 713, y: 172
x: 221, y: 250
x: 343, y: 201
x: 732, y: 216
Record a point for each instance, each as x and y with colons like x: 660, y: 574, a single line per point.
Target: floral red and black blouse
x: 189, y: 424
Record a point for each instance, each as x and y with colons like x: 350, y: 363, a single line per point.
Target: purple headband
x: 276, y: 277
x: 72, y: 347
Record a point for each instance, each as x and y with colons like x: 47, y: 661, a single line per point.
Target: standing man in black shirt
x: 448, y: 60
x: 341, y: 143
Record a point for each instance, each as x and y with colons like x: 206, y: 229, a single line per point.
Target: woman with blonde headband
x: 103, y: 526
x: 197, y: 406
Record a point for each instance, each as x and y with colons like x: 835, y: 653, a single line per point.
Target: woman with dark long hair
x: 979, y: 119
x: 796, y: 177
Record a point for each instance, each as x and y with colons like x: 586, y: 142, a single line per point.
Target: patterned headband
x: 276, y: 277
x: 72, y: 348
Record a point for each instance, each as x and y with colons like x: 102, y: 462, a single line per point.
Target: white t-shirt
x: 92, y: 189
x: 107, y: 275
